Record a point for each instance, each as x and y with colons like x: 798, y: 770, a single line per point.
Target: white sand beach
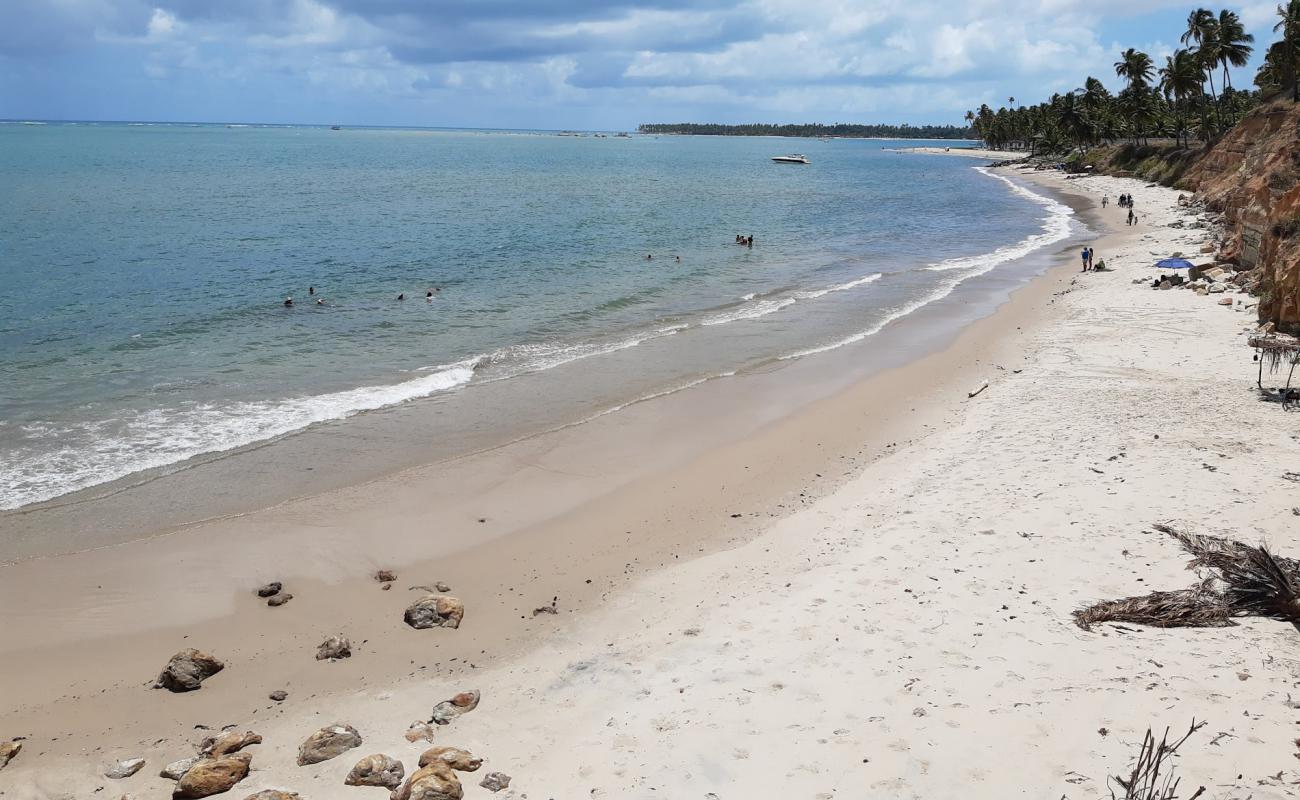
x: 906, y: 634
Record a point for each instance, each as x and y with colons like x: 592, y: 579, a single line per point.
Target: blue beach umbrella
x: 1174, y: 263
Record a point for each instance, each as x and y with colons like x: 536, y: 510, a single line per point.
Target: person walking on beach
x: 1083, y: 255
x: 1104, y: 199
x: 1090, y: 258
x: 1131, y: 216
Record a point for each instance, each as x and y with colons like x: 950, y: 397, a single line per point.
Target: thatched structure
x: 1275, y: 351
x: 1239, y: 581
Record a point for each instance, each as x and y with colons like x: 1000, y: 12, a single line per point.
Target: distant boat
x: 335, y: 128
x: 793, y: 158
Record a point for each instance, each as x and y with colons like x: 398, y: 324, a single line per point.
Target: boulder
x: 419, y: 731
x: 279, y: 600
x: 333, y: 648
x: 273, y: 794
x: 436, y: 778
x: 187, y: 670
x: 223, y: 744
x: 1226, y: 301
x: 278, y: 695
x: 435, y: 611
x: 385, y: 576
x: 458, y: 759
x: 447, y: 710
x: 270, y: 589
x: 495, y: 781
x: 441, y: 587
x: 7, y: 752
x: 176, y: 769
x: 1216, y: 288
x: 376, y: 770
x: 213, y: 776
x: 124, y: 768
x: 327, y: 743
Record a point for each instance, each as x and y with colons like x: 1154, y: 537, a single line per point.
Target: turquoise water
x: 145, y: 268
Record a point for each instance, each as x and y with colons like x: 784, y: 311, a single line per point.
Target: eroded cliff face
x: 1252, y: 177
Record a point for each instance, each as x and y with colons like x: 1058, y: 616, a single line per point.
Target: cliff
x: 1252, y: 177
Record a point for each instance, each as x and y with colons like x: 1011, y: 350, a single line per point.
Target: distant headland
x: 837, y: 130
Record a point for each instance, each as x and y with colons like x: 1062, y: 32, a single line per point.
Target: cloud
x: 510, y: 61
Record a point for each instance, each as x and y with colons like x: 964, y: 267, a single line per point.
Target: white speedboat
x: 793, y: 158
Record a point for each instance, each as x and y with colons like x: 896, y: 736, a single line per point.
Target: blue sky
x: 566, y: 63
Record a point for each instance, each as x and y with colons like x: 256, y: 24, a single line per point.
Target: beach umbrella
x: 1174, y: 263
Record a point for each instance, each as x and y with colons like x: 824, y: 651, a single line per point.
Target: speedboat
x: 793, y: 158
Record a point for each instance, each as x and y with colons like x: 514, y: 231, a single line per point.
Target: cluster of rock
x: 274, y: 594
x: 8, y: 750
x: 218, y: 765
x: 435, y: 611
x: 1220, y: 279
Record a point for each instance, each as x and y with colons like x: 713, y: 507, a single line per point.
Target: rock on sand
x: 124, y: 768
x: 447, y: 710
x: 213, y: 776
x: 333, y: 648
x: 328, y: 743
x: 7, y: 752
x: 435, y: 611
x: 187, y: 670
x: 376, y: 770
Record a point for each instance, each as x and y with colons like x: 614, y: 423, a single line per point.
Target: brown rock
x: 278, y: 695
x: 328, y: 743
x: 213, y: 776
x: 385, y: 576
x: 447, y: 710
x: 458, y: 759
x: 187, y: 670
x: 223, y: 744
x: 7, y: 752
x: 279, y: 600
x: 333, y: 648
x: 436, y: 779
x: 273, y: 794
x: 495, y: 781
x: 441, y: 587
x: 435, y: 611
x: 270, y: 589
x: 418, y: 731
x: 376, y: 770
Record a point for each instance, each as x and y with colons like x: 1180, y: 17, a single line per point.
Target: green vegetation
x: 813, y: 130
x: 1190, y: 96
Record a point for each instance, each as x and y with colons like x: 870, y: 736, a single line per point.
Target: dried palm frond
x: 1259, y: 585
x: 1214, y: 552
x: 1198, y: 607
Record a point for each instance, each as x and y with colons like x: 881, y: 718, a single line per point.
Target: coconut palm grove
x: 1190, y: 96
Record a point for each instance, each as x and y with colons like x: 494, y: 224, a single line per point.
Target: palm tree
x: 1135, y: 67
x: 1234, y: 43
x: 1180, y: 78
x: 1203, y: 29
x: 1289, y: 25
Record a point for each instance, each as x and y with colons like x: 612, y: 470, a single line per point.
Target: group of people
x: 1124, y: 201
x: 1086, y: 255
x: 320, y: 301
x: 748, y: 241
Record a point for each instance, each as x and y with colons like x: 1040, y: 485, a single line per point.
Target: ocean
x: 145, y: 268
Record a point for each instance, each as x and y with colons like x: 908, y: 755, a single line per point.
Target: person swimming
x: 311, y: 290
x: 320, y: 301
x: 428, y: 295
x: 402, y: 296
x: 288, y: 301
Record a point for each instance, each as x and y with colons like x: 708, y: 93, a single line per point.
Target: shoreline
x: 848, y: 634
x: 683, y: 509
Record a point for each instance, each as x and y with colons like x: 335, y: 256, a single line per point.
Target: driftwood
x: 983, y: 386
x: 1240, y: 581
x: 1152, y: 776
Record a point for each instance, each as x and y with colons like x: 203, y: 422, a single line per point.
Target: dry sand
x: 905, y: 632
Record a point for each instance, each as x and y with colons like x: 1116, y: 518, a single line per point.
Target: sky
x: 575, y: 64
